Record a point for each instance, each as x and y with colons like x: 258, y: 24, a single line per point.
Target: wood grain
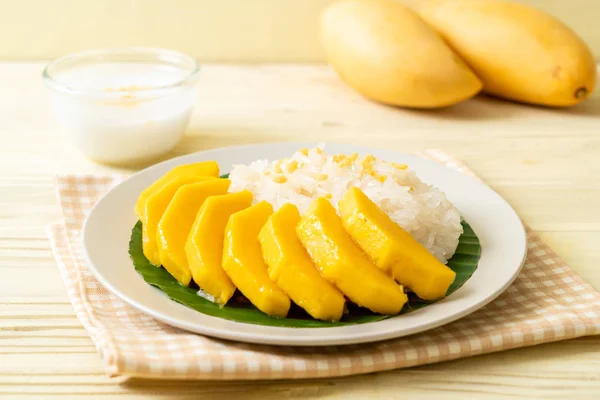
x: 544, y: 162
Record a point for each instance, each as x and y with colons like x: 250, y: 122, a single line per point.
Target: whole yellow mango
x: 386, y: 52
x: 519, y: 52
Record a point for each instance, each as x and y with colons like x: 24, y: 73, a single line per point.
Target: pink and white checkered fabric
x: 547, y: 302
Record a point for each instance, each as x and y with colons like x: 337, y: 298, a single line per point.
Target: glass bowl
x: 122, y: 106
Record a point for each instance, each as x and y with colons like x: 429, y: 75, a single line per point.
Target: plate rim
x: 279, y: 338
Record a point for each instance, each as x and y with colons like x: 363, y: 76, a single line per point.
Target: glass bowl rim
x: 159, y: 54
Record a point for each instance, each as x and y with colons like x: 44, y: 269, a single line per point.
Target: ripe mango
x: 393, y: 249
x: 520, y: 53
x: 176, y: 222
x: 386, y: 52
x: 154, y: 207
x: 343, y: 263
x: 204, y: 245
x: 243, y: 260
x: 292, y: 269
x: 204, y: 168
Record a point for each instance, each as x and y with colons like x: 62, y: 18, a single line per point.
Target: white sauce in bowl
x: 123, y: 112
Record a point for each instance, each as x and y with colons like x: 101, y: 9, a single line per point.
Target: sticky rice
x: 421, y: 209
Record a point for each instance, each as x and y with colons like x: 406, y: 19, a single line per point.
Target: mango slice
x: 243, y: 260
x: 204, y: 245
x: 290, y: 267
x: 176, y: 222
x: 393, y: 249
x: 205, y: 168
x: 342, y: 262
x: 154, y: 208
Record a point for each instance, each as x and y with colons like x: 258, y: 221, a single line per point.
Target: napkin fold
x: 547, y: 302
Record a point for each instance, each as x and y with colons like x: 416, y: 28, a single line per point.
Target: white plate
x: 107, y: 229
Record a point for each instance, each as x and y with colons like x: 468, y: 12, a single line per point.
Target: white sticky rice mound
x: 421, y: 209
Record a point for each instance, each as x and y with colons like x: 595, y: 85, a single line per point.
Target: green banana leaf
x: 464, y: 263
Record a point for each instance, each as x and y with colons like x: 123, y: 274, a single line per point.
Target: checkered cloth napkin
x: 547, y: 302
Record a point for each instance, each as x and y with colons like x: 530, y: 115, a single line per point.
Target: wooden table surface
x: 546, y: 163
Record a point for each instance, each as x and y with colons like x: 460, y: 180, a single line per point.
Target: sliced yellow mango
x: 176, y: 222
x: 343, y: 263
x: 204, y: 245
x: 243, y: 260
x: 205, y: 168
x: 154, y: 208
x: 292, y: 269
x: 393, y: 249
